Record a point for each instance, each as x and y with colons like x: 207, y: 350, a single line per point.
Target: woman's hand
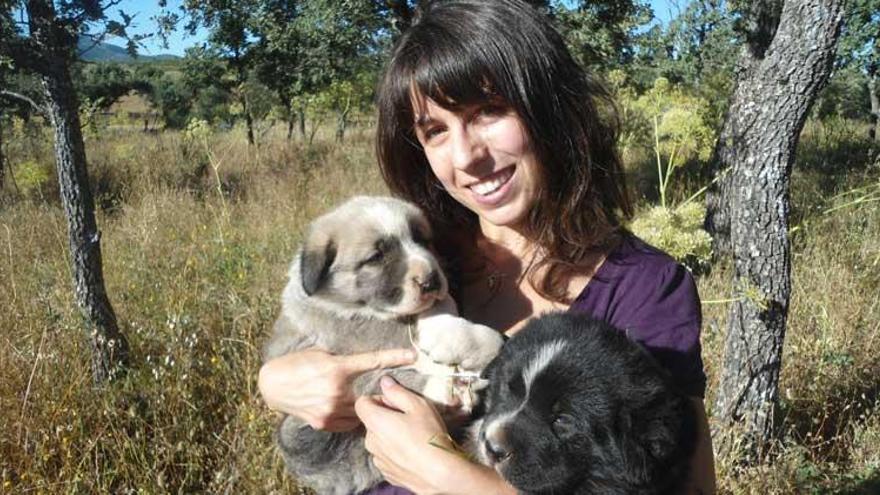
x: 315, y: 386
x: 401, y: 427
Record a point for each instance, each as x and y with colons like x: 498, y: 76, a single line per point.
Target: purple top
x: 650, y: 296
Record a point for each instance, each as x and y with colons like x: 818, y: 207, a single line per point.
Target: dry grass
x: 195, y: 275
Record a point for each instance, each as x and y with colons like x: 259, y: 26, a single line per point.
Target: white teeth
x: 489, y: 186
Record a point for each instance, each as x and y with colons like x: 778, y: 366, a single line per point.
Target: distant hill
x: 105, y: 52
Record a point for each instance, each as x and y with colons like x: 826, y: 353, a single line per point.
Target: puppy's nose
x: 496, y: 451
x: 430, y: 283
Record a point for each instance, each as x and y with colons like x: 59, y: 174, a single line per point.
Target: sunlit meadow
x: 197, y: 232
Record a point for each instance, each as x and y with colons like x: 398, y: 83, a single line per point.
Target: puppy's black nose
x: 429, y: 284
x: 496, y: 451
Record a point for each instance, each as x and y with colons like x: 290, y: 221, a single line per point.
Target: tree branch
x: 17, y: 96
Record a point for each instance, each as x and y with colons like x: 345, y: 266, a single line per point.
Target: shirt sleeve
x: 667, y: 320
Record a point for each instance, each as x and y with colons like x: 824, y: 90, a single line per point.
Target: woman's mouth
x: 491, y: 189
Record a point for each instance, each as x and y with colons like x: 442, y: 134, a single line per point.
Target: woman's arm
x: 315, y: 386
x: 702, y: 479
x: 403, y: 433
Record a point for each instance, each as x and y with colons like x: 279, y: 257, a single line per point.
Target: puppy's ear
x: 317, y: 256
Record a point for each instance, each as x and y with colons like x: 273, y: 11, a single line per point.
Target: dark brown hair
x: 464, y: 52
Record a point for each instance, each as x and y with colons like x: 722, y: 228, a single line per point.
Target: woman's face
x: 483, y: 157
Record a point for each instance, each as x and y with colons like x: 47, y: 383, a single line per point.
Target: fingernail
x: 386, y: 381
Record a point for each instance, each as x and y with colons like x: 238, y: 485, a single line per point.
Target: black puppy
x: 574, y: 406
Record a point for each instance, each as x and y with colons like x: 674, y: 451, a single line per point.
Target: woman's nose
x: 468, y: 148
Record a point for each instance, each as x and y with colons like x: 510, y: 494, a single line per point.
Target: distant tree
x: 231, y: 34
x: 601, y: 34
x: 281, y: 58
x: 342, y: 52
x: 845, y: 96
x: 103, y: 84
x: 860, y: 48
x: 697, y: 49
x: 47, y: 48
x: 320, y: 47
x: 7, y: 31
x: 782, y: 67
x: 210, y: 87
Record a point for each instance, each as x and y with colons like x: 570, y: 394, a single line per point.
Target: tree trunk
x: 288, y: 114
x: 302, y: 123
x: 341, y: 124
x: 2, y: 156
x: 759, y: 139
x: 758, y: 23
x: 874, y: 130
x: 109, y: 346
x: 249, y: 121
x: 342, y: 120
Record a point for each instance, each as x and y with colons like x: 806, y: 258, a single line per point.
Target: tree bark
x: 249, y: 121
x: 874, y: 130
x: 2, y: 155
x: 758, y: 141
x: 288, y: 113
x: 757, y: 25
x: 108, y: 345
x: 342, y: 120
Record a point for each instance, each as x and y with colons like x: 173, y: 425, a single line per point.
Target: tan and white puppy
x: 360, y: 281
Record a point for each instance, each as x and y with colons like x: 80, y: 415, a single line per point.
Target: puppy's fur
x: 357, y: 284
x: 575, y: 407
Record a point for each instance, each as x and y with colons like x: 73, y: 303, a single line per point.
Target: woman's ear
x: 317, y: 256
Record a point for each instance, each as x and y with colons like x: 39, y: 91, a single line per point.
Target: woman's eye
x: 432, y: 132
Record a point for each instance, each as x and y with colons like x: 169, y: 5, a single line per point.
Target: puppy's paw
x: 442, y: 339
x: 484, y: 344
x: 454, y: 341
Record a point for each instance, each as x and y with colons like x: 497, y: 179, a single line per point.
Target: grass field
x: 197, y: 231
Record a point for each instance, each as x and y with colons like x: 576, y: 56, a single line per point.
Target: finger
x: 356, y: 364
x: 385, y: 402
x: 369, y: 409
x: 397, y: 396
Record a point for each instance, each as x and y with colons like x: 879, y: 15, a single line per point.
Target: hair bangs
x: 453, y: 78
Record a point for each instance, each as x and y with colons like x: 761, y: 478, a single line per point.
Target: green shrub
x: 31, y: 177
x: 678, y: 231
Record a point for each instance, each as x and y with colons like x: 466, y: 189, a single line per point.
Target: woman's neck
x: 507, y: 240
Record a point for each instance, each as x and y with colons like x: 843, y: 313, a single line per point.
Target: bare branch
x: 17, y: 96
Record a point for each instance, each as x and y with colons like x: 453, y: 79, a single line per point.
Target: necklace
x: 494, y: 280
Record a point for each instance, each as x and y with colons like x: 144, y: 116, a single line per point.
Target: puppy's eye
x: 563, y: 426
x: 374, y: 258
x: 420, y: 238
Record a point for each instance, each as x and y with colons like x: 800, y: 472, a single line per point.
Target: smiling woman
x: 483, y: 158
x: 508, y: 146
x: 473, y: 89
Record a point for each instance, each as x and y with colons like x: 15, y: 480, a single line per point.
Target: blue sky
x: 179, y: 41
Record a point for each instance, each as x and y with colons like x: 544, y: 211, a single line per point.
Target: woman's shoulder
x: 637, y: 266
x: 645, y: 292
x: 637, y: 279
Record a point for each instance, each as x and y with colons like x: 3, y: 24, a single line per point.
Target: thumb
x: 356, y: 364
x: 397, y: 396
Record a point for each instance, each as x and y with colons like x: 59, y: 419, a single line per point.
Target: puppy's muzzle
x: 496, y: 446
